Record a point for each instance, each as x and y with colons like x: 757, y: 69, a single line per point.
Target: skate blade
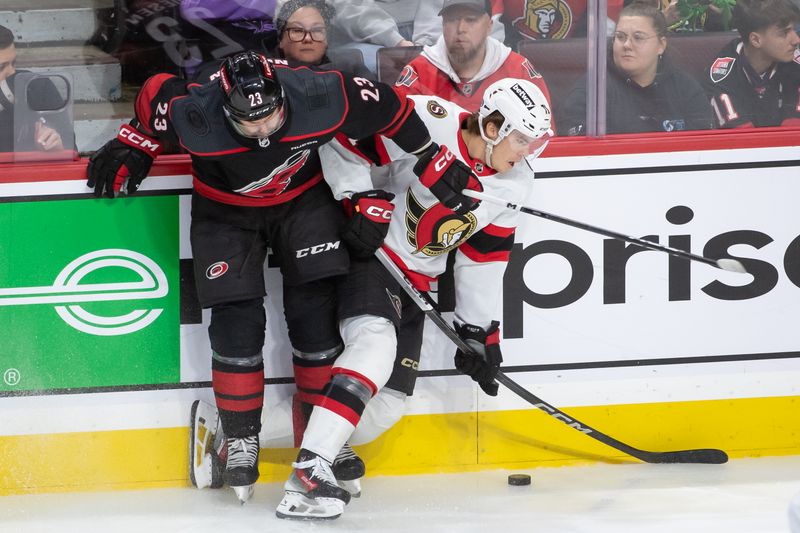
x: 244, y: 493
x: 296, y: 506
x: 352, y: 486
x: 204, y: 421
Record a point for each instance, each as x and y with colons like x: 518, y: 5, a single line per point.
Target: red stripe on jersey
x: 498, y: 231
x: 406, y: 108
x: 341, y: 410
x: 344, y: 140
x: 240, y: 406
x: 237, y: 199
x: 479, y: 257
x: 312, y: 378
x: 144, y: 100
x: 360, y: 377
x: 235, y: 384
x: 383, y: 153
x: 420, y: 281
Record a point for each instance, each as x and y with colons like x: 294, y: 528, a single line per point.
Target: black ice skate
x: 206, y: 440
x: 348, y: 468
x: 241, y: 470
x: 311, y: 491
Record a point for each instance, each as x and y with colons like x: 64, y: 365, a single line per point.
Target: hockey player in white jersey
x: 379, y: 324
x: 429, y: 217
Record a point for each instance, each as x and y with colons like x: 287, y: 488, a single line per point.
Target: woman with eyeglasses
x: 303, y: 27
x: 644, y: 92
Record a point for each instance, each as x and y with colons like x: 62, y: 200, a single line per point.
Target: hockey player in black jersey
x: 755, y: 80
x: 253, y: 136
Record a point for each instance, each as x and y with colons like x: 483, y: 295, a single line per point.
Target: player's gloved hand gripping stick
x: 710, y: 456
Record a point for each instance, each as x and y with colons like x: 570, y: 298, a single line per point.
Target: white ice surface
x: 744, y: 496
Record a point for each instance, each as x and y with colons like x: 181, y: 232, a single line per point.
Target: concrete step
x: 37, y: 21
x: 95, y: 75
x: 98, y: 122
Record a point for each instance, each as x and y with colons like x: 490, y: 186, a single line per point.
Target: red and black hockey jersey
x: 742, y: 98
x: 235, y: 170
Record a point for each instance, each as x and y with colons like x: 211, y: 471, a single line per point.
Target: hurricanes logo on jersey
x: 407, y: 77
x: 278, y: 180
x: 545, y: 19
x: 436, y: 230
x: 436, y: 109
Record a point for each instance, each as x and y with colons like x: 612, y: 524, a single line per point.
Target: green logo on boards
x: 89, y: 293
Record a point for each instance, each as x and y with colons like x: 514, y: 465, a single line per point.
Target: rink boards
x: 105, y: 349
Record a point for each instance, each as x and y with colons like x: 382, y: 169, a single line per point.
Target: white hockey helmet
x: 524, y: 108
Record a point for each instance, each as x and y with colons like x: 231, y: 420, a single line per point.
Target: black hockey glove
x: 122, y: 162
x: 369, y: 223
x: 440, y: 171
x: 483, y: 365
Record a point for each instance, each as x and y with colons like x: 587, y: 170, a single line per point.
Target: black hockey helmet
x: 251, y: 90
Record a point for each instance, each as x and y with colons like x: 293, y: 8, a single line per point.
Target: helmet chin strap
x: 490, y: 144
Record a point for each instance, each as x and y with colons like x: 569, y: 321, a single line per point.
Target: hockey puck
x: 519, y: 479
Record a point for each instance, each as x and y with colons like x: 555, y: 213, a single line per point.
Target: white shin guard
x: 370, y: 346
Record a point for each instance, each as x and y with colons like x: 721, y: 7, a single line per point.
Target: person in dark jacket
x: 644, y: 92
x: 755, y: 80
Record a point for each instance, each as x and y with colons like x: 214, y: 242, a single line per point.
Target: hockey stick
x: 731, y: 265
x: 708, y: 456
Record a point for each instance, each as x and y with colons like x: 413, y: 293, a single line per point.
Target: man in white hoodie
x: 465, y: 59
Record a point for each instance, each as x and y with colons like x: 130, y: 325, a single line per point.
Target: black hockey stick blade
x: 728, y: 264
x: 703, y: 456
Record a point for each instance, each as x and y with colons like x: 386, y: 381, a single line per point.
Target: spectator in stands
x: 34, y: 136
x: 643, y: 91
x: 303, y: 27
x: 755, y: 80
x: 465, y: 60
x: 551, y: 19
x: 361, y: 25
x: 427, y: 28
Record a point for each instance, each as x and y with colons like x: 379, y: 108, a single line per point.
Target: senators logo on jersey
x: 407, y: 77
x: 436, y: 109
x: 721, y: 67
x: 545, y: 19
x: 436, y: 230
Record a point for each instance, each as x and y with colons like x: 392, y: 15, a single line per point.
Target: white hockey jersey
x: 422, y: 230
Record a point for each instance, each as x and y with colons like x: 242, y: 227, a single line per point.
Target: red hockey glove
x: 122, y: 162
x: 483, y: 365
x: 369, y: 224
x: 440, y: 171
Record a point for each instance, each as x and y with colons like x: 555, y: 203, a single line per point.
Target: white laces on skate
x: 320, y: 469
x: 345, y: 454
x: 242, y: 452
